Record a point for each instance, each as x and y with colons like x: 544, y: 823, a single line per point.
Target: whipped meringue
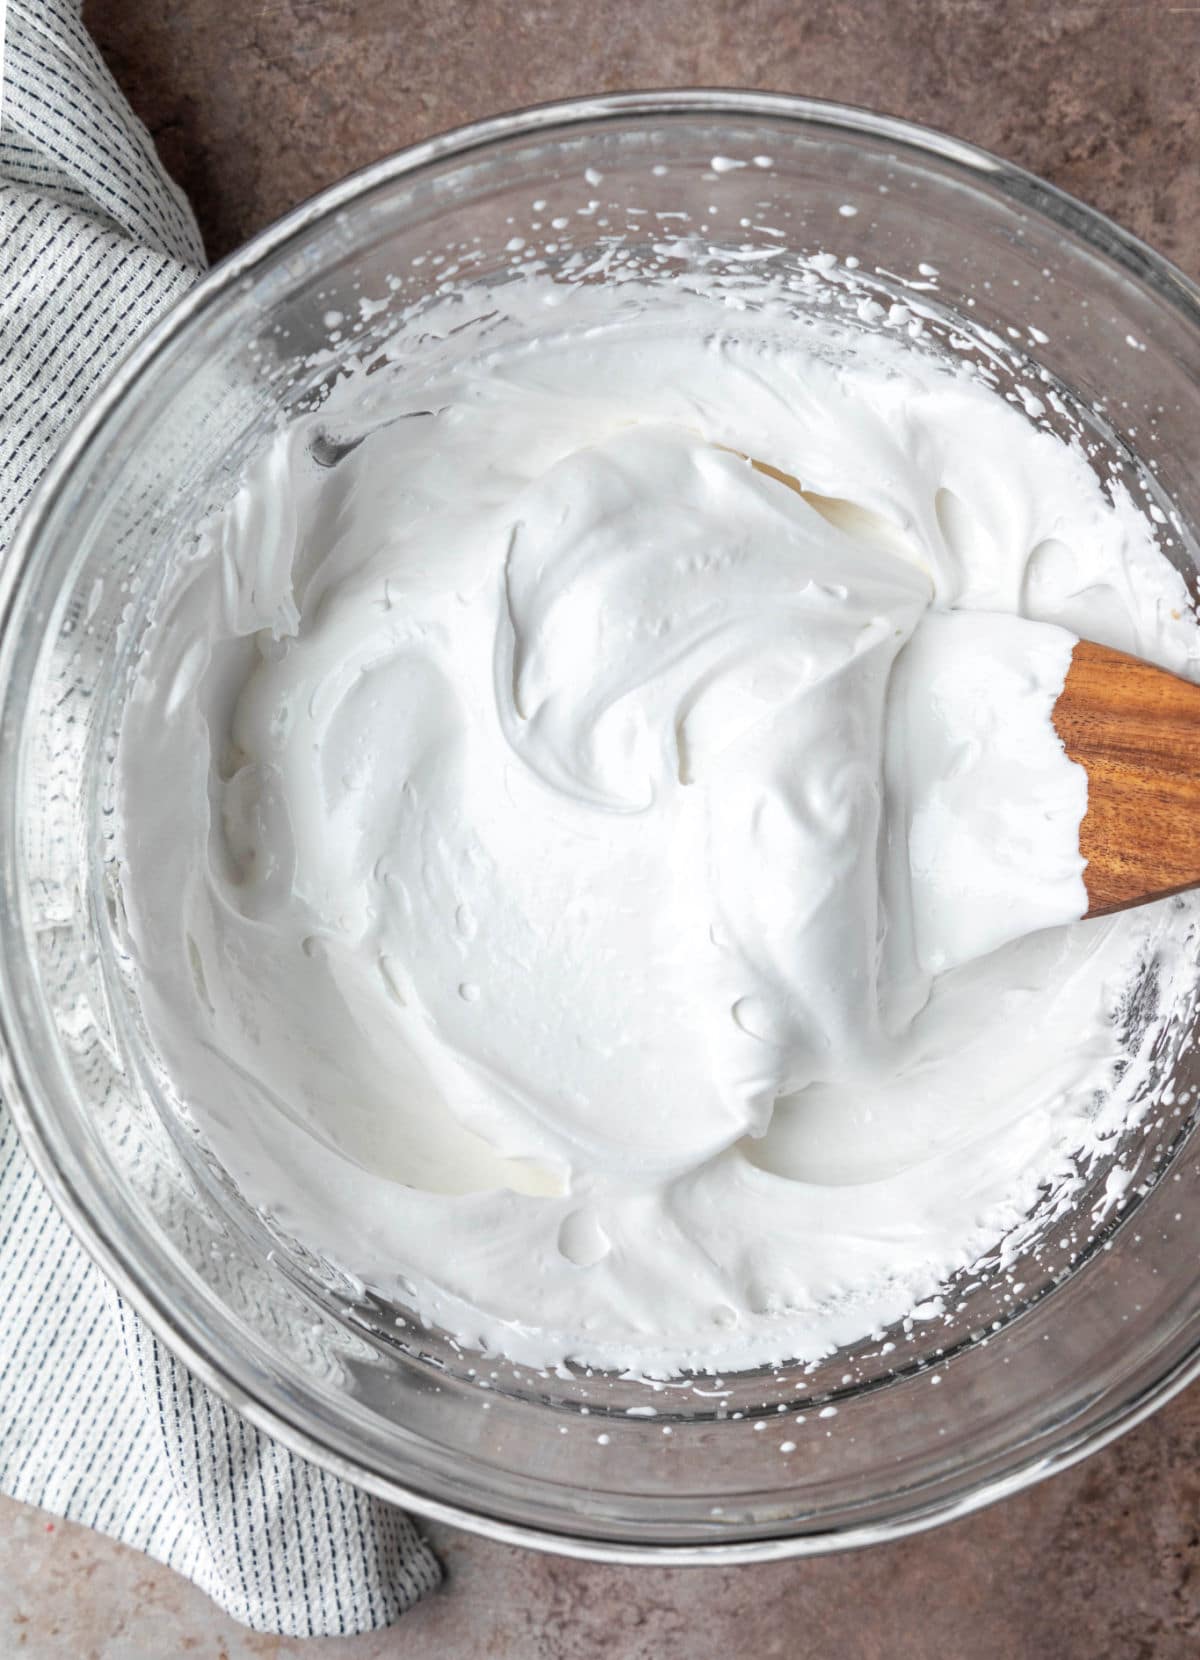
x: 614, y: 900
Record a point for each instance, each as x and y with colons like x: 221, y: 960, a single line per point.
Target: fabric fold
x: 98, y: 1422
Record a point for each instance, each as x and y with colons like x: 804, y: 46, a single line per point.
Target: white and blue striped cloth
x: 97, y: 1421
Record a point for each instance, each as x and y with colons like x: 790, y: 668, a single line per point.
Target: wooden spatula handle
x: 1136, y: 729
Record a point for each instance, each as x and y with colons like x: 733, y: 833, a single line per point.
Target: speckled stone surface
x: 1102, y: 1563
x: 256, y: 105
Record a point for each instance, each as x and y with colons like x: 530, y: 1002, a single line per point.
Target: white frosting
x: 609, y: 899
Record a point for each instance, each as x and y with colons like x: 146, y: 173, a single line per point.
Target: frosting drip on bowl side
x: 587, y: 886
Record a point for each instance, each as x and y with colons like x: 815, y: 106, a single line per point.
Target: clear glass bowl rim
x: 30, y: 1104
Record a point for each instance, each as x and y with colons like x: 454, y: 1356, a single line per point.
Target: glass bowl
x: 1020, y: 1373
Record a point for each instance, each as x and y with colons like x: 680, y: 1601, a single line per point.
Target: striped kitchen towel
x: 97, y: 1421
